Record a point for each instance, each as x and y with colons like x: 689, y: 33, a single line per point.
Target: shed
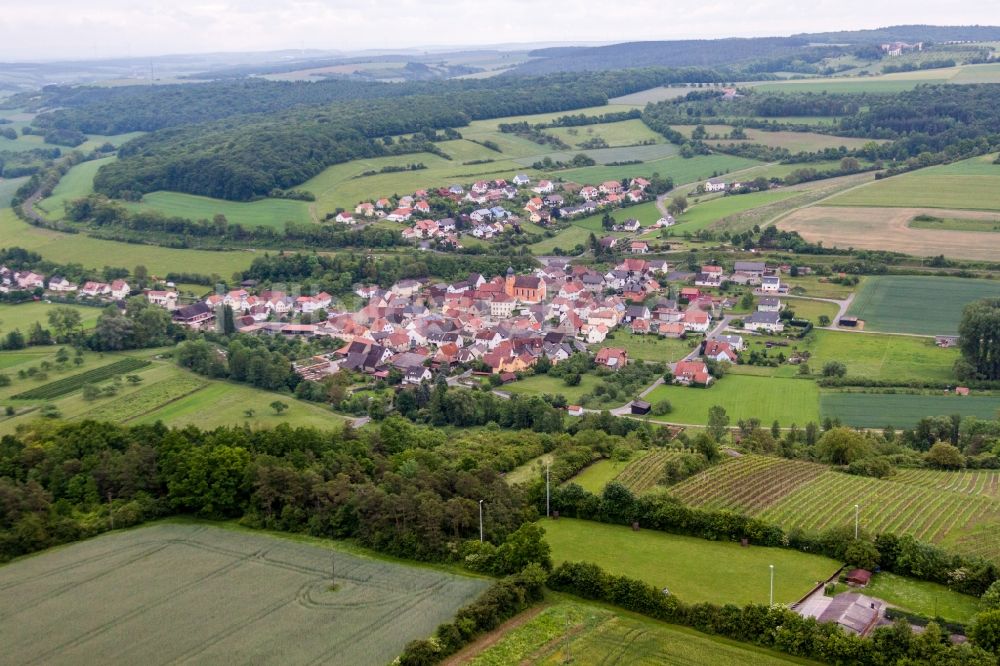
x: 640, y: 407
x: 859, y: 577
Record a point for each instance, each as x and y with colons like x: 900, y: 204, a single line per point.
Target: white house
x: 714, y: 185
x: 770, y: 284
x: 521, y: 179
x: 769, y: 322
x: 345, y: 218
x: 164, y: 299
x: 61, y: 284
x: 769, y: 304
x: 543, y: 187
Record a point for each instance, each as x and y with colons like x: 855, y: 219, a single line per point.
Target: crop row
x: 146, y: 399
x: 706, y: 485
x: 69, y: 384
x: 645, y: 473
x: 750, y: 484
x: 981, y: 482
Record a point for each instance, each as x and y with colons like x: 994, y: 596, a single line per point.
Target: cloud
x: 53, y: 29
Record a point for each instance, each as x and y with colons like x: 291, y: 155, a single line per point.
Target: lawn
x: 264, y: 213
x: 876, y: 410
x: 786, y: 400
x: 923, y: 597
x: 926, y: 305
x: 696, y: 570
x: 566, y: 239
x: 78, y: 182
x: 570, y: 631
x: 969, y: 184
x: 544, y: 384
x: 95, y: 253
x: 595, y: 476
x: 193, y: 592
x: 811, y: 310
x: 702, y: 215
x: 887, y: 357
x: 23, y: 315
x: 647, y: 347
x: 818, y: 287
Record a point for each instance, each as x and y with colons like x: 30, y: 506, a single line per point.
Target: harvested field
x: 177, y: 592
x: 889, y: 229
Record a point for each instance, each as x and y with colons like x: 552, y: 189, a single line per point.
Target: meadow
x: 923, y: 305
x: 22, y: 315
x: 622, y: 133
x: 793, y: 141
x: 809, y: 309
x: 595, y: 476
x: 886, y: 357
x: 95, y: 253
x: 201, y: 593
x: 783, y: 399
x: 682, y: 170
x: 876, y: 410
x: 874, y: 228
x: 797, y: 494
x: 986, y: 73
x: 705, y: 214
x: 264, y: 213
x: 923, y: 597
x: 646, y: 347
x: 991, y: 224
x: 77, y: 183
x: 544, y: 384
x: 570, y: 631
x: 694, y: 569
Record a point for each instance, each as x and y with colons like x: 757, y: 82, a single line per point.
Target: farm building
x: 640, y: 407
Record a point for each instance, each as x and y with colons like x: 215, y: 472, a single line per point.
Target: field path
x: 476, y: 647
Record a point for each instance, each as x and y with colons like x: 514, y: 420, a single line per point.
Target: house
x: 400, y: 215
x: 690, y: 293
x: 770, y: 284
x: 961, y: 390
x: 769, y: 304
x: 854, y: 613
x: 639, y: 247
x: 196, y: 315
x: 480, y: 187
x: 610, y: 187
x: 708, y: 280
x: 631, y: 225
x: 456, y: 189
x: 769, y: 322
x: 119, y: 290
x: 383, y: 203
x: 753, y: 268
x: 163, y: 299
x: 589, y: 192
x: 502, y: 306
x: 364, y: 209
x: 521, y: 179
x: 61, y: 284
x: 612, y: 357
x: 720, y: 351
x: 639, y: 183
x: 574, y: 410
x: 29, y: 280
x: 608, y: 242
x: 640, y: 407
x: 696, y: 321
x: 345, y: 218
x: 635, y: 196
x: 734, y: 341
x: 543, y: 187
x: 692, y: 372
x: 714, y: 185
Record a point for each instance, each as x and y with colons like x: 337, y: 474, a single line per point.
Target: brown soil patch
x: 888, y: 229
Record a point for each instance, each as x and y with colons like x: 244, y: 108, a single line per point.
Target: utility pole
x: 772, y: 585
x: 857, y: 520
x: 480, y: 521
x: 547, y: 512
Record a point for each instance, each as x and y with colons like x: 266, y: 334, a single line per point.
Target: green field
x: 917, y: 304
x: 927, y: 599
x: 793, y: 141
x: 574, y: 632
x: 201, y: 593
x: 811, y: 310
x: 786, y: 400
x: 544, y: 384
x: 623, y: 133
x: 810, y: 496
x: 23, y: 315
x: 987, y: 73
x: 95, y: 253
x: 694, y: 569
x: 705, y: 214
x: 595, y: 476
x: 78, y: 182
x: 605, y: 156
x: 529, y: 471
x: 644, y: 472
x: 681, y: 170
x: 970, y: 184
x: 887, y: 357
x: 264, y: 213
x: 647, y: 347
x: 876, y: 410
x: 957, y: 224
x: 8, y: 186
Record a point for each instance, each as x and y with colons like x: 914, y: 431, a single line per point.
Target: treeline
x: 15, y: 164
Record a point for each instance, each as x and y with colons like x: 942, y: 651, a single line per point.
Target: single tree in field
x: 718, y: 422
x: 278, y: 407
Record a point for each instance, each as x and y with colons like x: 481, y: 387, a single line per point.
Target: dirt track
x: 887, y: 229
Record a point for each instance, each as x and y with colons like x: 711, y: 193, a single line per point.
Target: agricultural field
x: 694, y: 569
x: 783, y: 399
x: 658, y: 94
x: 987, y: 73
x: 705, y: 214
x: 921, y: 305
x: 797, y: 494
x: 575, y: 632
x: 876, y: 410
x: 95, y: 253
x: 985, y: 482
x: 644, y: 473
x: 682, y: 170
x: 264, y: 213
x: 201, y: 593
x: 795, y: 142
x: 890, y: 357
x: 970, y: 184
x: 605, y: 156
x: 78, y: 182
x: 622, y: 133
x: 75, y: 382
x: 990, y: 224
x: 23, y: 315
x: 873, y: 228
x: 647, y: 347
x: 147, y: 399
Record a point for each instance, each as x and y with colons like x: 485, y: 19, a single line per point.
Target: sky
x: 76, y: 29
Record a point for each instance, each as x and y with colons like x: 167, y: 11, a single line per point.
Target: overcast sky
x: 55, y: 29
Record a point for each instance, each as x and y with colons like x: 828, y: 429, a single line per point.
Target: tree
x: 834, y: 369
x: 945, y: 456
x: 824, y: 320
x: 91, y: 392
x: 979, y: 337
x: 662, y: 407
x: 842, y: 446
x: 677, y: 205
x: 278, y: 407
x: 65, y: 321
x: 986, y: 630
x: 991, y: 597
x: 38, y: 335
x: 746, y: 302
x: 228, y: 323
x: 718, y: 422
x: 14, y: 340
x: 861, y: 553
x: 849, y: 164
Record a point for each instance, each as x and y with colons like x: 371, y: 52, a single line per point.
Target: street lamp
x: 480, y: 521
x: 772, y: 584
x: 547, y: 512
x: 857, y: 518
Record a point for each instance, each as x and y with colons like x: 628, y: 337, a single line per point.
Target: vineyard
x: 952, y: 508
x: 69, y: 384
x: 645, y: 473
x: 146, y: 399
